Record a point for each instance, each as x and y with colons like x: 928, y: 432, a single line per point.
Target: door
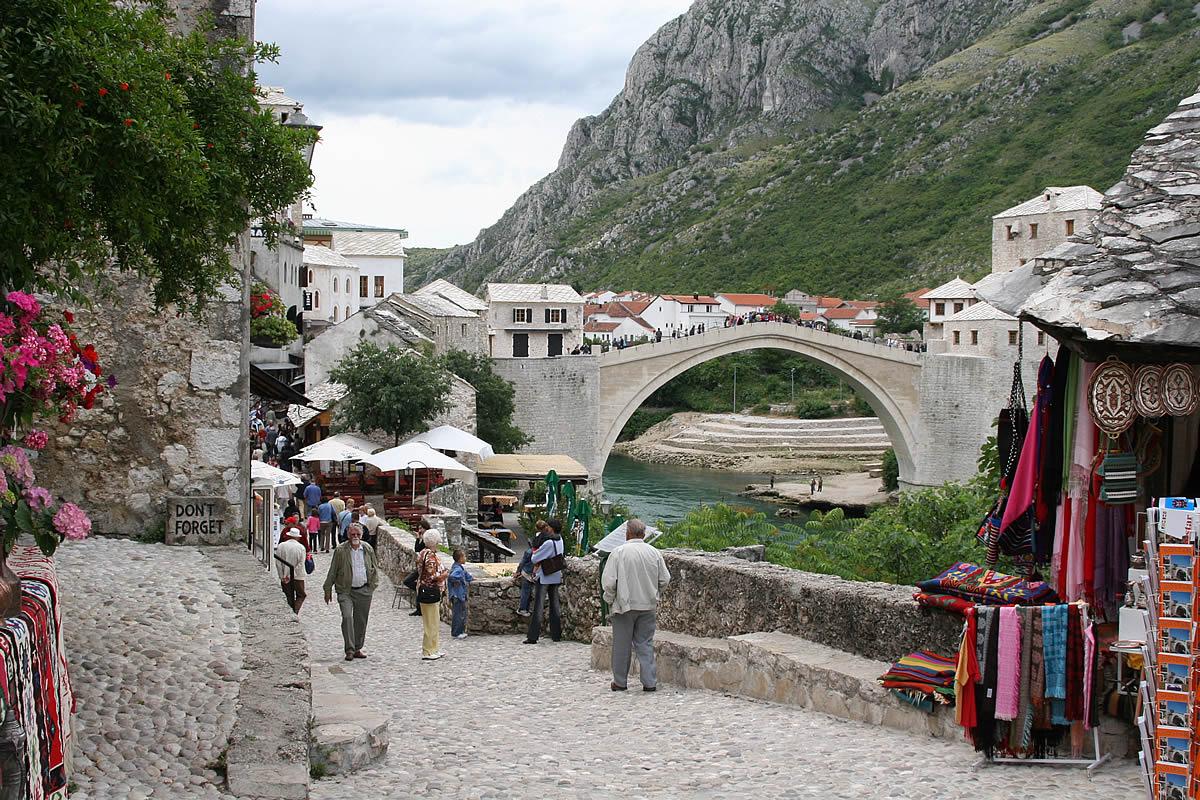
x: 520, y: 345
x: 554, y: 344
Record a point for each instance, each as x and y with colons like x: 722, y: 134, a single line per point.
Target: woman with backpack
x: 548, y: 562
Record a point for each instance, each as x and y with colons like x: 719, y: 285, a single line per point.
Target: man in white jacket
x: 634, y: 575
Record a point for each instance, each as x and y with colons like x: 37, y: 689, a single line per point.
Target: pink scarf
x: 1078, y: 484
x: 1008, y: 665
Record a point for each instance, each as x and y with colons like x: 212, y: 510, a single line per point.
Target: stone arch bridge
x: 937, y: 409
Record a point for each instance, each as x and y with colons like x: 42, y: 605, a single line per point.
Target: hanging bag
x: 428, y: 594
x: 1118, y: 471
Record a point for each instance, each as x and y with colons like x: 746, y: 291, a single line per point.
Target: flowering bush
x: 43, y: 368
x: 268, y: 318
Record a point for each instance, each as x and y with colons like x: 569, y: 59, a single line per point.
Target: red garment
x: 1089, y: 543
x: 1075, y: 673
x: 966, y: 699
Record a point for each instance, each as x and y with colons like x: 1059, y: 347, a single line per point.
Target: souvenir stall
x: 265, y: 521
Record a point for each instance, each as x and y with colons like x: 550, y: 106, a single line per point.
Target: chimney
x: 695, y: 296
x: 545, y: 292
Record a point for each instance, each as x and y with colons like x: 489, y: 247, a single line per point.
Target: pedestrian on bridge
x: 634, y: 577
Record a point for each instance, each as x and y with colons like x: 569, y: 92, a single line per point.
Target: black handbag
x: 429, y: 594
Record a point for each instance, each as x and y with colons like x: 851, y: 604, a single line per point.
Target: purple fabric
x: 1112, y: 558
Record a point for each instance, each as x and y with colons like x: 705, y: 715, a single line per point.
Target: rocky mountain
x: 828, y: 143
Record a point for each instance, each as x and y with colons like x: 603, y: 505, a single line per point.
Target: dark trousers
x: 526, y: 593
x: 294, y: 592
x: 458, y: 616
x: 535, y: 620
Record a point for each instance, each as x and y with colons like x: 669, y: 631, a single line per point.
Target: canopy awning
x: 448, y: 437
x: 263, y: 474
x: 528, y: 467
x: 330, y: 451
x: 617, y: 538
x: 354, y: 440
x: 263, y: 385
x: 415, y: 455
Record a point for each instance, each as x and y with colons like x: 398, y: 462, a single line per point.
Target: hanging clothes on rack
x: 1019, y: 522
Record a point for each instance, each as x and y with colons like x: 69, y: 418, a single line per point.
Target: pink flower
x: 7, y: 325
x: 39, y: 499
x: 36, y: 440
x: 72, y: 522
x: 25, y: 302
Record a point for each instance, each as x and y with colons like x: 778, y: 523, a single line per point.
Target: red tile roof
x: 841, y: 313
x: 829, y: 302
x: 916, y: 298
x: 809, y: 316
x: 601, y: 327
x: 862, y: 303
x: 751, y: 299
x: 702, y: 299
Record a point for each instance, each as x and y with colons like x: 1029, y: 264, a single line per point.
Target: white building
x: 532, y: 320
x: 986, y: 331
x: 736, y: 305
x: 679, y: 313
x: 331, y: 281
x: 944, y: 302
x: 1025, y: 231
x: 610, y: 330
x: 378, y: 253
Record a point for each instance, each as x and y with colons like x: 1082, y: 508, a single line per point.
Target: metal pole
x: 735, y: 389
x: 793, y: 374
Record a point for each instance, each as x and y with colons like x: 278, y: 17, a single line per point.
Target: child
x: 313, y: 523
x: 456, y: 587
x: 524, y: 576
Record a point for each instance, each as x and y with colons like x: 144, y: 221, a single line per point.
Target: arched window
x: 335, y: 313
x: 316, y: 296
x: 335, y: 285
x: 310, y: 277
x: 346, y: 313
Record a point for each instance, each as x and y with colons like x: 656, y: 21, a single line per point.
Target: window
x: 1009, y: 233
x: 1041, y: 338
x: 379, y: 286
x: 316, y: 297
x: 346, y: 312
x: 310, y: 276
x: 335, y: 313
x: 690, y: 308
x: 1020, y: 262
x: 362, y: 285
x: 939, y: 309
x: 958, y: 307
x: 556, y: 315
x: 464, y: 329
x: 957, y: 337
x: 1070, y: 227
x: 974, y: 337
x: 1033, y: 230
x: 335, y: 285
x: 522, y: 315
x: 521, y: 345
x: 1012, y: 337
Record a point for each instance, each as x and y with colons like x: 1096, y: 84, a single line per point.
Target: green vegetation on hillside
x: 902, y: 194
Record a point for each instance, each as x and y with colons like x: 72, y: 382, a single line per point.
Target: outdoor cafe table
x: 503, y: 499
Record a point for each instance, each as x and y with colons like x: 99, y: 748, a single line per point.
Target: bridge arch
x: 885, y: 377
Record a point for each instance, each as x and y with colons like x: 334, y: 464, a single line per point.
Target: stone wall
x: 556, y: 402
x: 717, y: 595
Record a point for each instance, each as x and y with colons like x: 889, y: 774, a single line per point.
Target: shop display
x: 1110, y: 397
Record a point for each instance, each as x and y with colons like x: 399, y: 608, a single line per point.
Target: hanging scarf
x: 1054, y: 651
x: 1017, y: 524
x: 1112, y: 558
x: 985, y: 690
x: 1050, y: 482
x: 1075, y: 665
x: 1043, y: 532
x: 966, y: 675
x: 985, y: 620
x: 1037, y: 673
x: 1078, y: 485
x: 1089, y: 665
x: 1008, y: 668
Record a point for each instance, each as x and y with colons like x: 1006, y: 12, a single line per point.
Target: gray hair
x: 431, y: 538
x: 353, y: 527
x: 635, y: 529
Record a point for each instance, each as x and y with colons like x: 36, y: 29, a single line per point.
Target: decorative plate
x: 1148, y: 391
x: 1110, y: 397
x: 1179, y: 390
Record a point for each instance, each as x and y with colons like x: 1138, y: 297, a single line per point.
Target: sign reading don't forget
x: 197, y: 520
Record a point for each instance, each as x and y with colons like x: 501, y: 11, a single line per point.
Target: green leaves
x: 391, y: 390
x: 493, y: 400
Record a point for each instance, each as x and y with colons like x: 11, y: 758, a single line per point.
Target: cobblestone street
x: 155, y: 662
x: 498, y: 719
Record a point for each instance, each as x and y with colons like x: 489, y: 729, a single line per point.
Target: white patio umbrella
x: 330, y: 451
x: 347, y: 439
x: 616, y: 538
x: 263, y: 474
x: 415, y: 455
x: 448, y: 437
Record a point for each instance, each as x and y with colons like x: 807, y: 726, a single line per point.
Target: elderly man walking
x: 634, y: 575
x: 354, y: 573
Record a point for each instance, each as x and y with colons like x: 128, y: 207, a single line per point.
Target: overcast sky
x: 437, y: 114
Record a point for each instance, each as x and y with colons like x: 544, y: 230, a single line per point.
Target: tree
x: 786, y: 310
x: 898, y: 314
x: 391, y: 390
x: 127, y: 147
x: 493, y: 400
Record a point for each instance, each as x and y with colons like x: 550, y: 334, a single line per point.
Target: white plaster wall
x: 390, y: 268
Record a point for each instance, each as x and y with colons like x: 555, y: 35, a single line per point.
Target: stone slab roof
x: 434, y: 305
x: 320, y: 256
x: 1134, y: 279
x: 532, y: 293
x: 323, y: 396
x: 392, y: 318
x: 957, y: 289
x: 981, y: 312
x: 1056, y: 198
x: 460, y: 297
x: 369, y: 243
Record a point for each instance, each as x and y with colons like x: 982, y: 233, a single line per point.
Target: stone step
x: 797, y: 425
x: 692, y: 443
x: 745, y: 420
x: 782, y: 668
x: 347, y: 734
x: 807, y: 438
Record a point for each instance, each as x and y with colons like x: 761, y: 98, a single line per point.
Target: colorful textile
x: 966, y: 674
x: 1016, y: 527
x: 1075, y: 664
x: 1089, y: 662
x: 980, y: 585
x: 1008, y: 666
x: 925, y: 667
x: 945, y: 602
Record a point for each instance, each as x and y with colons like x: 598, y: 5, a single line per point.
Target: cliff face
x: 725, y: 72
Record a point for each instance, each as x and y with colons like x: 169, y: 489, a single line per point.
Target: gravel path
x: 155, y: 660
x: 498, y: 719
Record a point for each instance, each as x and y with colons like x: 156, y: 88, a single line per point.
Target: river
x: 666, y: 492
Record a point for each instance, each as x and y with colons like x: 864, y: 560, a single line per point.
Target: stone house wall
x: 557, y: 403
x: 1008, y: 254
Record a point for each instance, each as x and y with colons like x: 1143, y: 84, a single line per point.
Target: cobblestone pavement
x: 498, y: 719
x: 155, y: 662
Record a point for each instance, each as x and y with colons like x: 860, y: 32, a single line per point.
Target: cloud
x: 437, y: 114
x: 366, y: 56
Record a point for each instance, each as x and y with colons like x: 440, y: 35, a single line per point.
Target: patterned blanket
x: 946, y: 602
x: 981, y: 585
x: 924, y: 673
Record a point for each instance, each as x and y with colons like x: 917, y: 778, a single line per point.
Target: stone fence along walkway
x: 498, y: 719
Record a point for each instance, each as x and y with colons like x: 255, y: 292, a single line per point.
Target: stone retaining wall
x: 716, y: 595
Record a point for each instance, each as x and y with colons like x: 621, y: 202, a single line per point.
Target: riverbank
x: 856, y: 492
x: 767, y: 444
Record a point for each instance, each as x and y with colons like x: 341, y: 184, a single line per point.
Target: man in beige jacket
x: 634, y: 575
